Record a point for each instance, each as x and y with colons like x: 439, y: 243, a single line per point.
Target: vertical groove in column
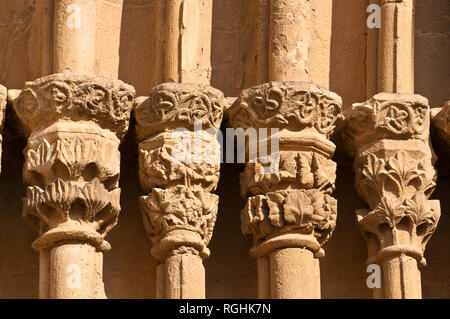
x: 396, y: 47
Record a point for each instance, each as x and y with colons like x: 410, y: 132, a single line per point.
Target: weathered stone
x: 389, y: 139
x: 179, y: 213
x: 289, y: 210
x: 72, y: 164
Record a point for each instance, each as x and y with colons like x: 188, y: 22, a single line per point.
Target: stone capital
x: 302, y: 107
x: 179, y: 217
x: 388, y: 136
x: 72, y: 163
x: 441, y: 125
x: 291, y: 206
x: 179, y: 164
x: 387, y: 116
x: 68, y: 97
x: 289, y: 218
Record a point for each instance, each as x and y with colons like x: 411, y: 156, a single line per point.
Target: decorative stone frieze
x: 72, y: 163
x: 289, y: 214
x: 393, y: 163
x: 179, y: 211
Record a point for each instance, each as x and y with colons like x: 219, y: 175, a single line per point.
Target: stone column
x: 183, y: 41
x: 396, y: 47
x: 290, y: 213
x: 72, y: 163
x: 179, y: 162
x: 75, y: 28
x: 388, y: 136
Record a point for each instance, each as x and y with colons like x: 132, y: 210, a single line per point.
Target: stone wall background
x: 124, y: 50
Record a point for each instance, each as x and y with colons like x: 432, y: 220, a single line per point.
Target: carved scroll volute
x: 3, y: 96
x: 393, y: 163
x: 180, y: 211
x: 74, y: 125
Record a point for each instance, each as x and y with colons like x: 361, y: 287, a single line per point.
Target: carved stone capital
x: 179, y: 164
x: 297, y: 170
x: 441, y: 123
x: 67, y: 97
x: 72, y: 161
x: 294, y: 106
x: 393, y: 163
x: 165, y: 162
x: 179, y: 105
x: 179, y: 217
x: 3, y: 98
x: 289, y: 218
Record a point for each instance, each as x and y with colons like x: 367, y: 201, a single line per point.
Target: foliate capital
x: 179, y: 217
x: 400, y: 225
x: 70, y: 210
x: 441, y: 123
x: 400, y: 218
x: 296, y: 170
x: 393, y: 162
x: 304, y: 218
x: 68, y: 97
x: 3, y: 98
x: 179, y: 105
x: 387, y: 116
x: 163, y: 164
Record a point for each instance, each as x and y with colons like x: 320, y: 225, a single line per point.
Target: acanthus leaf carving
x: 305, y: 211
x: 297, y: 170
x: 85, y: 157
x: 400, y: 176
x: 158, y: 167
x: 179, y: 208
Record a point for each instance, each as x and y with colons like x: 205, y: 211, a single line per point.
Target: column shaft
x: 401, y: 278
x: 295, y: 273
x: 283, y: 215
x: 72, y: 271
x: 75, y: 30
x: 396, y: 47
x: 389, y: 138
x: 72, y: 168
x: 185, y: 277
